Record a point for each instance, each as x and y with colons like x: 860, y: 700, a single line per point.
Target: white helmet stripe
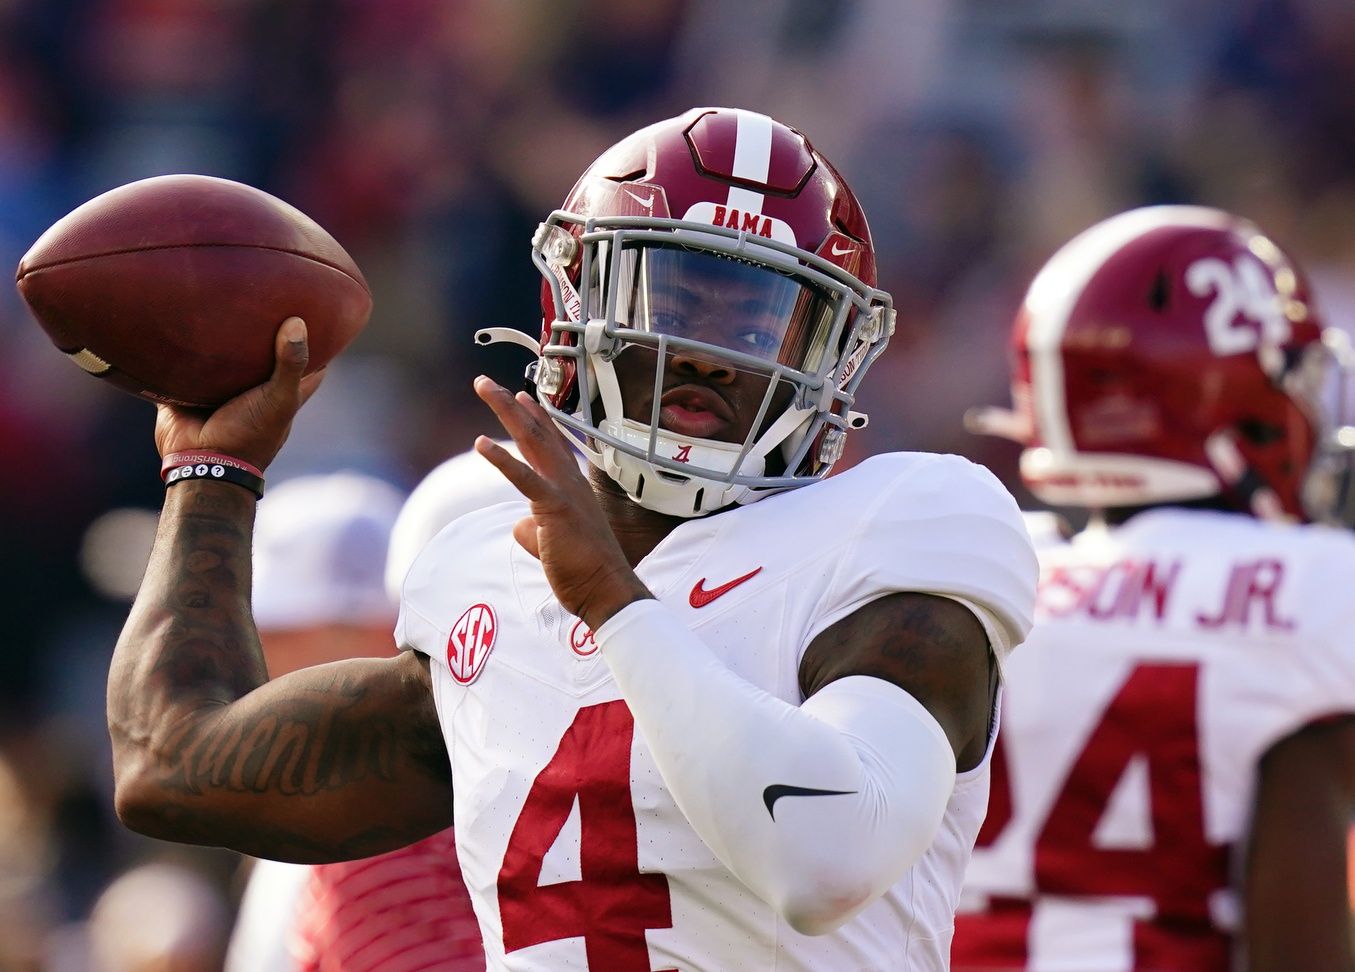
x: 1055, y: 292
x: 752, y: 159
x: 1046, y: 383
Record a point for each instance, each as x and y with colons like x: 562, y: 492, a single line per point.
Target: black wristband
x: 218, y: 472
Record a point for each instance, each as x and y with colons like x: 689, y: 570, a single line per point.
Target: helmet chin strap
x: 673, y: 493
x: 670, y: 490
x: 663, y: 491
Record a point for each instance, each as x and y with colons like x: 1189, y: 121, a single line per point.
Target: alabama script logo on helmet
x: 471, y: 641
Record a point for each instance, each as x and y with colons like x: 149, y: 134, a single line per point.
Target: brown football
x: 173, y: 288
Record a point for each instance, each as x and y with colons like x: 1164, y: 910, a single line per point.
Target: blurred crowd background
x: 430, y: 137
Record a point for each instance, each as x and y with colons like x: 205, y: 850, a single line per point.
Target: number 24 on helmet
x: 1171, y: 354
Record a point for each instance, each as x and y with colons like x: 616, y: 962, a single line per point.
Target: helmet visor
x: 709, y: 299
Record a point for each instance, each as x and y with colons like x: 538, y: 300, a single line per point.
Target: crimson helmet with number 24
x: 746, y: 205
x: 1172, y: 354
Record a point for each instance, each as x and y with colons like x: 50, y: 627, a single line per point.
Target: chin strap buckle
x: 555, y: 244
x: 547, y: 375
x: 877, y: 325
x: 831, y: 446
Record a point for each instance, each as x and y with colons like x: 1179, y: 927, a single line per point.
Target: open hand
x: 253, y: 425
x: 567, y: 530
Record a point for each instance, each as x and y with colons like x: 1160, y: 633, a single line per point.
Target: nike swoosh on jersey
x: 778, y: 790
x: 700, y: 597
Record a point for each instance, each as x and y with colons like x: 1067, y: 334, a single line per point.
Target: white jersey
x: 1168, y: 655
x: 573, y: 849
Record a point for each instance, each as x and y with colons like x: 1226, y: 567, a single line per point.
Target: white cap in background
x: 320, y: 552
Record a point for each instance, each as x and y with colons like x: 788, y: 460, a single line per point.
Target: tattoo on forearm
x: 193, y: 719
x: 209, y: 654
x: 210, y: 645
x: 193, y: 665
x: 299, y: 752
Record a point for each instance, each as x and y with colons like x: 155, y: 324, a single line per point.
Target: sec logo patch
x: 471, y: 641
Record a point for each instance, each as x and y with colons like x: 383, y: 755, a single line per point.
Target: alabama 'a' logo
x: 684, y: 454
x: 471, y: 641
x: 581, y: 640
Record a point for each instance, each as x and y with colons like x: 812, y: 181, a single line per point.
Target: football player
x: 1176, y: 768
x: 705, y: 708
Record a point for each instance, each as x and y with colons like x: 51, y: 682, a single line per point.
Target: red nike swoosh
x: 701, y: 597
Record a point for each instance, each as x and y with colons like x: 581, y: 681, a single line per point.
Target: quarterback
x: 1177, y: 764
x: 704, y: 708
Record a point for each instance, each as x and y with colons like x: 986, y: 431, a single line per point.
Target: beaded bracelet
x: 224, y: 469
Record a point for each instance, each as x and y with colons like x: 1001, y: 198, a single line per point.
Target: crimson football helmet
x: 722, y: 235
x: 1173, y: 353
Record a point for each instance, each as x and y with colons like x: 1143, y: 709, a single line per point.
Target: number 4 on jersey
x: 613, y: 903
x: 1152, y: 716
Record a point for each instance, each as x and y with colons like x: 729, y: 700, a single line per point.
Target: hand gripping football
x: 173, y: 288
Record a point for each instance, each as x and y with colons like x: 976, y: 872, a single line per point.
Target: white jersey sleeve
x: 942, y: 525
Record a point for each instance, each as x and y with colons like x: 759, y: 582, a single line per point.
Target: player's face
x: 701, y: 397
x: 723, y: 304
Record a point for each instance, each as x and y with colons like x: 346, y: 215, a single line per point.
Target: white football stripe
x: 752, y: 159
x: 744, y: 200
